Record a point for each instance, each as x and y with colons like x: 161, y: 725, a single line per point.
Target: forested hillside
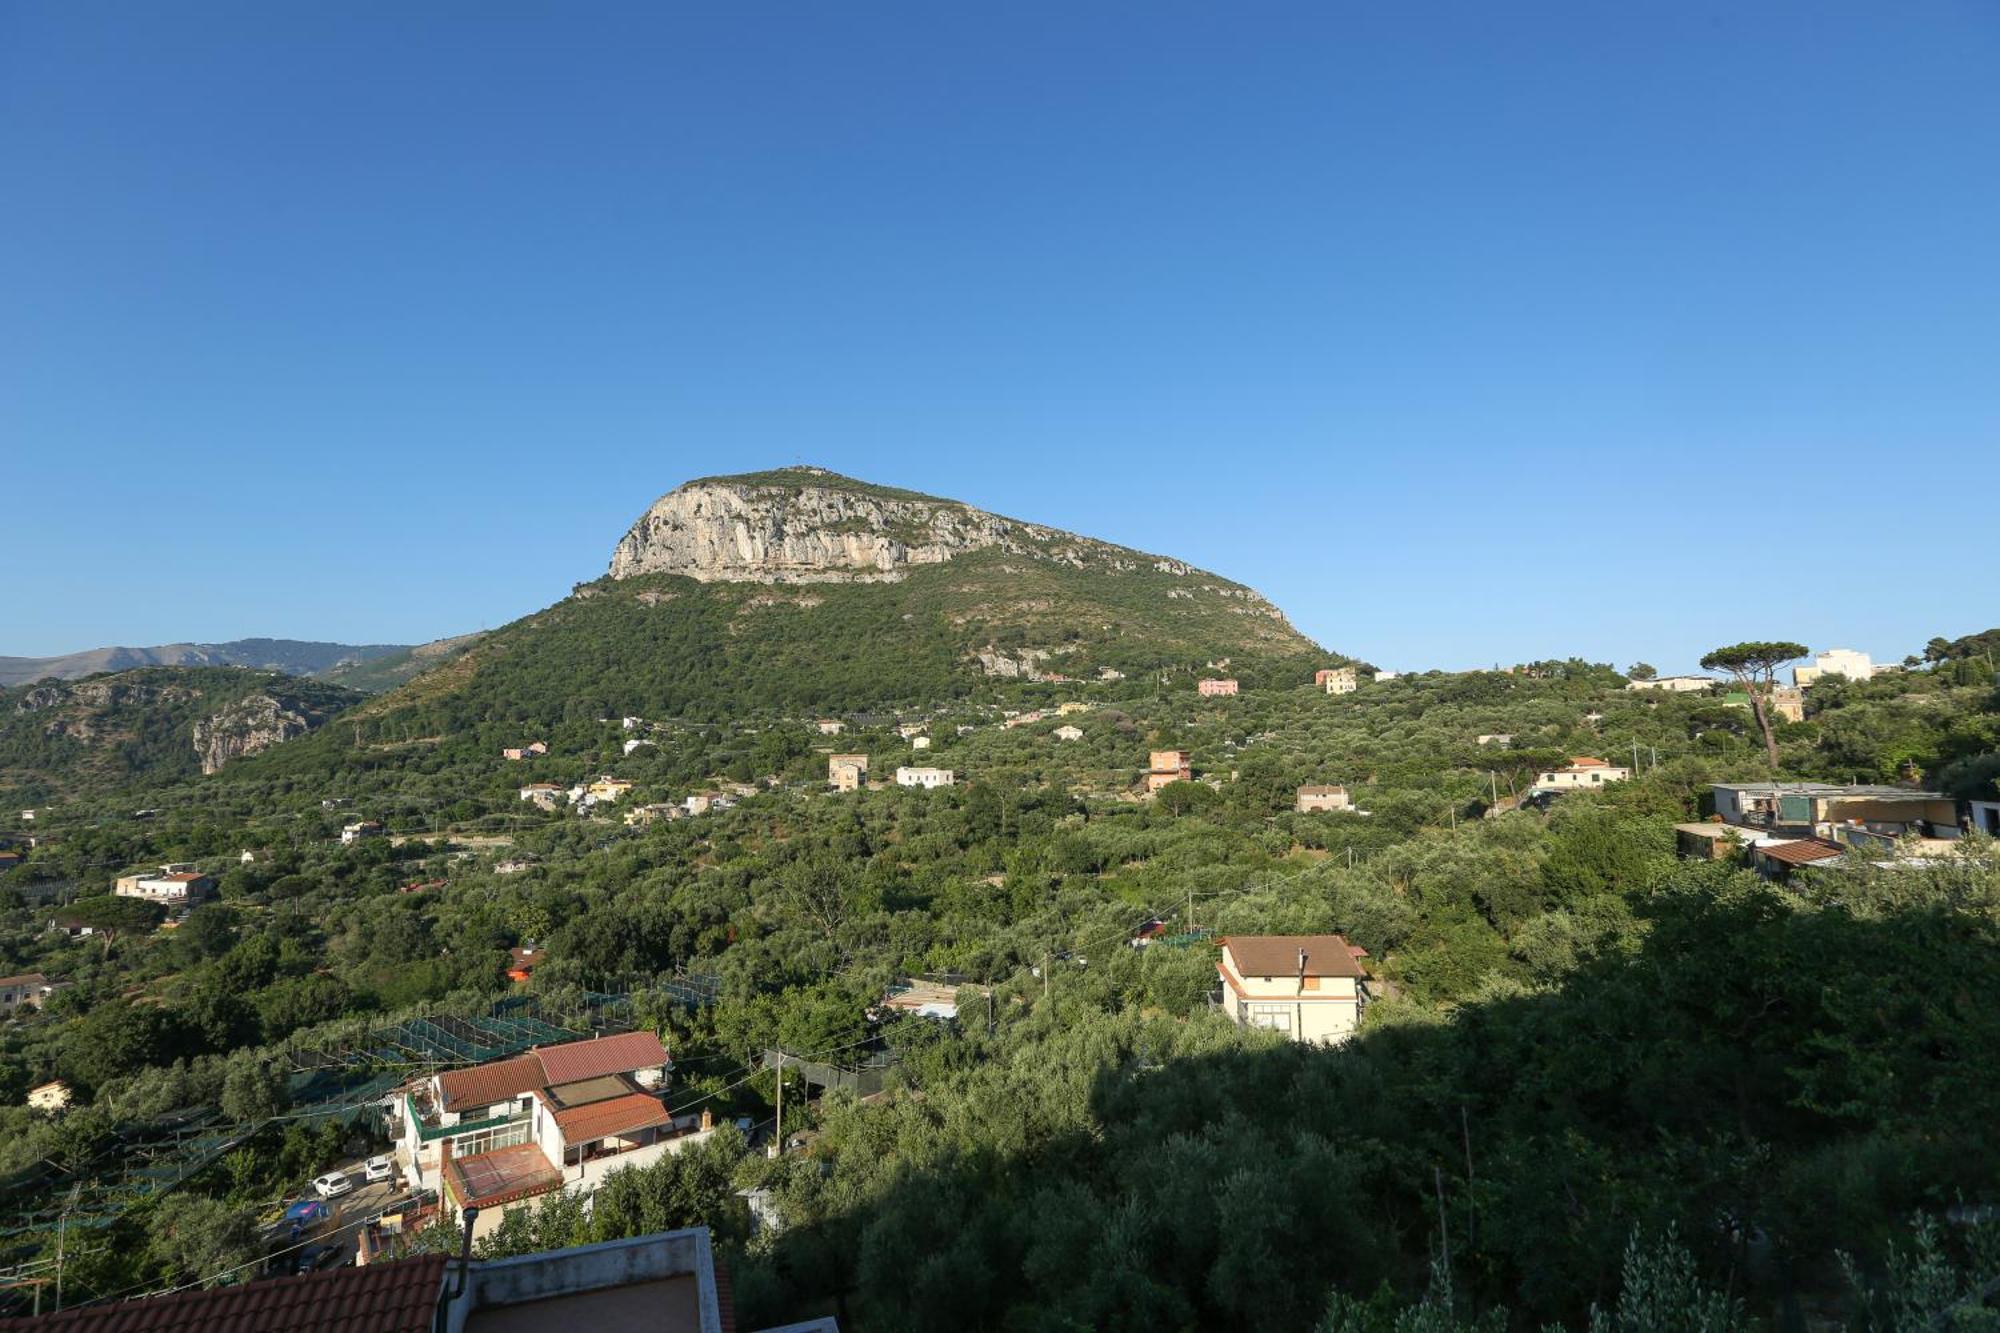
x: 149, y: 725
x: 1579, y: 1042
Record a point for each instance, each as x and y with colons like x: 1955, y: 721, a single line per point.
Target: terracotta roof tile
x: 485, y: 1085
x: 621, y: 1115
x: 1278, y: 955
x: 623, y: 1054
x: 399, y: 1296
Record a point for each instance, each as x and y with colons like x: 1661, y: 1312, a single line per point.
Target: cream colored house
x: 51, y: 1096
x: 1311, y: 799
x: 1309, y: 987
x: 829, y: 726
x: 847, y: 772
x: 1068, y: 733
x: 926, y: 778
x: 1337, y: 680
x: 1072, y: 708
x: 1583, y: 771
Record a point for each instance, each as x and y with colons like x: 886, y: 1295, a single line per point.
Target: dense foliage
x: 1598, y: 1084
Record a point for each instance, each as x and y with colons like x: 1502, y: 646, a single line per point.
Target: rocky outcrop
x: 251, y: 726
x: 811, y: 526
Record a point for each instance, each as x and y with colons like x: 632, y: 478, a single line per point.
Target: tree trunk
x: 1764, y: 723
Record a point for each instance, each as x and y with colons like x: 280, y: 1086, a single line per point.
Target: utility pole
x: 1494, y: 779
x: 1635, y: 756
x: 778, y: 1146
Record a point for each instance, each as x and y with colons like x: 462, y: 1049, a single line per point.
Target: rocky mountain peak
x: 809, y: 525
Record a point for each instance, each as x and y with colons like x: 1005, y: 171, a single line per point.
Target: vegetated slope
x: 295, y: 657
x: 373, y: 675
x: 802, y: 596
x: 155, y: 723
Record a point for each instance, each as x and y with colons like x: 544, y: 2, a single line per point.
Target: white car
x: 333, y: 1183
x: 378, y: 1168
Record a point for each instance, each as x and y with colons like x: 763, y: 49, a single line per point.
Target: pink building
x: 1214, y: 687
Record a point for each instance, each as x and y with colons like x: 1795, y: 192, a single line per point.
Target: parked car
x: 315, y: 1257
x: 333, y: 1183
x: 379, y: 1168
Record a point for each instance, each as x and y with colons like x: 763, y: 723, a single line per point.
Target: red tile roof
x: 623, y: 1054
x: 399, y: 1296
x: 487, y: 1179
x: 1802, y: 852
x: 620, y: 1115
x: 1278, y: 955
x: 485, y: 1085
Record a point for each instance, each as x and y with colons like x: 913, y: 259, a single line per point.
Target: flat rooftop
x: 500, y: 1176
x: 1871, y: 791
x: 664, y: 1305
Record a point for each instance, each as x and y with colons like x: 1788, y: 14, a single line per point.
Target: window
x: 1276, y: 1017
x: 1309, y: 983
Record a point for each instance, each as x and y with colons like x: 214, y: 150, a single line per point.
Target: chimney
x: 1302, y: 967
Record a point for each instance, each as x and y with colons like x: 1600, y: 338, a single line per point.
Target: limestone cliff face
x: 813, y: 527
x: 250, y: 726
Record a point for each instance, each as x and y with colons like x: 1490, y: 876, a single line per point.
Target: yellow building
x: 1309, y: 987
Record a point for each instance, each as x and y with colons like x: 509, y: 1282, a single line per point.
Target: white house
x: 499, y: 1135
x: 924, y: 777
x: 1068, y: 733
x: 1309, y: 987
x: 1836, y: 662
x: 1583, y: 771
x: 29, y: 988
x: 1675, y: 684
x: 1320, y: 799
x: 174, y: 885
x: 353, y: 833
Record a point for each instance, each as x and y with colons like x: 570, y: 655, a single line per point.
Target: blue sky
x: 1466, y: 332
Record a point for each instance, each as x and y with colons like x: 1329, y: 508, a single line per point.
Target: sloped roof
x: 620, y: 1115
x: 575, y: 1061
x: 483, y: 1085
x: 398, y: 1296
x: 1278, y: 955
x: 1802, y: 852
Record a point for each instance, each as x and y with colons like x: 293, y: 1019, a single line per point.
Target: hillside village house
x: 546, y: 795
x: 28, y: 988
x: 631, y: 723
x: 1382, y: 676
x: 1675, y: 684
x: 1211, y: 688
x: 1583, y: 771
x: 707, y: 802
x: 635, y: 744
x: 357, y: 832
x: 909, y: 731
x: 1167, y: 766
x: 643, y: 816
x: 1072, y: 708
x: 920, y: 742
x: 606, y: 788
x: 1337, y: 680
x: 847, y: 772
x: 1984, y: 816
x: 1787, y: 702
x: 1068, y: 733
x: 51, y: 1096
x: 926, y: 778
x: 1835, y: 662
x: 1311, y: 799
x: 528, y: 751
x: 830, y: 726
x: 1834, y: 812
x: 174, y: 885
x: 1309, y: 987
x: 1497, y: 738
x: 499, y: 1135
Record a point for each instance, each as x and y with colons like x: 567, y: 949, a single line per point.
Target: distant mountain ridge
x: 294, y: 657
